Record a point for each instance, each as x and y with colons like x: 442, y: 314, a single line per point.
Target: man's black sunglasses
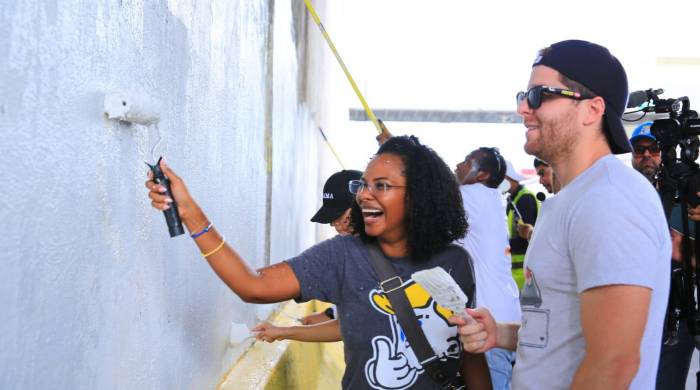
x: 653, y: 149
x: 534, y: 95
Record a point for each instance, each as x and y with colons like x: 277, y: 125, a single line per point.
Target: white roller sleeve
x: 133, y: 109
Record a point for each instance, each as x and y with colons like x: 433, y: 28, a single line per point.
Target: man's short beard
x: 650, y: 174
x: 558, y: 142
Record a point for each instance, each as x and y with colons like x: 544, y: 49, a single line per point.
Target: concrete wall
x: 93, y: 291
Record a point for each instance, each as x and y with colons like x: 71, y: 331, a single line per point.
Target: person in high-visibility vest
x: 522, y: 207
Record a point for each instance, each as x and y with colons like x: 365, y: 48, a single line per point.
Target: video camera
x: 678, y: 181
x: 681, y: 128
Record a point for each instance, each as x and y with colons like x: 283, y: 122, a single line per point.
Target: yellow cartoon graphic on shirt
x: 393, y: 364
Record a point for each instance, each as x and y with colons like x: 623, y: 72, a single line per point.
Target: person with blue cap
x: 677, y: 344
x: 596, y: 268
x: 646, y: 154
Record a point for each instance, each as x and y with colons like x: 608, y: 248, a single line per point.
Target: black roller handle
x: 172, y: 218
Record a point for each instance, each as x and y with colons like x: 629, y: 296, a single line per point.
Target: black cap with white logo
x: 336, y: 196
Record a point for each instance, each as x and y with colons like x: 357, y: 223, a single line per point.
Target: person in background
x: 550, y: 183
x: 597, y: 275
x: 522, y: 207
x: 646, y: 154
x: 546, y: 174
x: 676, y: 353
x: 487, y: 242
x: 337, y: 205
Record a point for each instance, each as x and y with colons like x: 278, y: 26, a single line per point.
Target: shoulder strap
x: 391, y: 284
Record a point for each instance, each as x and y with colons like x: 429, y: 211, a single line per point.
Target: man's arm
x: 613, y: 319
x: 527, y: 205
x: 485, y: 333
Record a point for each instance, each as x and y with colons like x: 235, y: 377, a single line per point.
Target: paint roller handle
x: 466, y: 317
x: 172, y: 217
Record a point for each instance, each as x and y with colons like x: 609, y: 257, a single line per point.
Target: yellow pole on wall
x: 368, y: 110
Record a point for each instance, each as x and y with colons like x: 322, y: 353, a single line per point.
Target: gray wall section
x: 93, y: 291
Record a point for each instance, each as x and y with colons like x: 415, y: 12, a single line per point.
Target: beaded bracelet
x: 223, y: 241
x: 199, y: 233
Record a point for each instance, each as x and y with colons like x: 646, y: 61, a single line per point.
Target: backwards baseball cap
x: 595, y: 68
x: 336, y: 196
x: 512, y: 173
x: 642, y: 131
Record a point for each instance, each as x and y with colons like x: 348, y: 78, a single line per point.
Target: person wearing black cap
x: 335, y: 210
x: 550, y: 183
x: 597, y: 274
x: 546, y: 174
x: 337, y: 205
x: 337, y: 201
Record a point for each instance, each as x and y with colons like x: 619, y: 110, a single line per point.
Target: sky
x: 467, y: 55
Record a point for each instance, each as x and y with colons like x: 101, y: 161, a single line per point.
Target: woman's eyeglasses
x: 653, y: 149
x: 357, y: 186
x: 534, y: 95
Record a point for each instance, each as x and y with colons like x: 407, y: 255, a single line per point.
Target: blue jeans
x: 500, y: 363
x: 674, y: 363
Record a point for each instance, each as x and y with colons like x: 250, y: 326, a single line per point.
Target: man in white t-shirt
x: 597, y: 274
x: 487, y: 242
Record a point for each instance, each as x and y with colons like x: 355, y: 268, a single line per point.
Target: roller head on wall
x: 144, y: 111
x: 133, y: 109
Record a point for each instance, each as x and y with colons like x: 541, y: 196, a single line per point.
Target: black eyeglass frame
x: 534, y: 95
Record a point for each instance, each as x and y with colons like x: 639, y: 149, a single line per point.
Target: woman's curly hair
x: 434, y: 209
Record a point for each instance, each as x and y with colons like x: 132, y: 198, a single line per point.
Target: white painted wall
x: 94, y: 294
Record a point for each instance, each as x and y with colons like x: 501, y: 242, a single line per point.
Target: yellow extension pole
x: 368, y: 110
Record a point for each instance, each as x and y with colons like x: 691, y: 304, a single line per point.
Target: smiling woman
x: 408, y: 203
x: 431, y: 207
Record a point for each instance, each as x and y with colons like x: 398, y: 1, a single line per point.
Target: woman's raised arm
x: 270, y: 284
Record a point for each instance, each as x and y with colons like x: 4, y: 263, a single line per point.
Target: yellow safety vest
x: 518, y: 259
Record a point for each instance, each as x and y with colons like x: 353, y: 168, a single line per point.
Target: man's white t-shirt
x: 606, y: 227
x: 487, y: 243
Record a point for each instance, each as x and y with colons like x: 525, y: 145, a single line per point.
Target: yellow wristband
x: 223, y: 241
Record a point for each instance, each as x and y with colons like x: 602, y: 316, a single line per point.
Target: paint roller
x: 143, y: 111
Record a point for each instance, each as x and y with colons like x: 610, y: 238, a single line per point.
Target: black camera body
x: 682, y: 127
x: 678, y: 132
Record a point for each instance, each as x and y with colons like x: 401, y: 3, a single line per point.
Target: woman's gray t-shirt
x: 377, y: 355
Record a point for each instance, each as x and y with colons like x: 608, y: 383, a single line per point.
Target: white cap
x: 512, y: 173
